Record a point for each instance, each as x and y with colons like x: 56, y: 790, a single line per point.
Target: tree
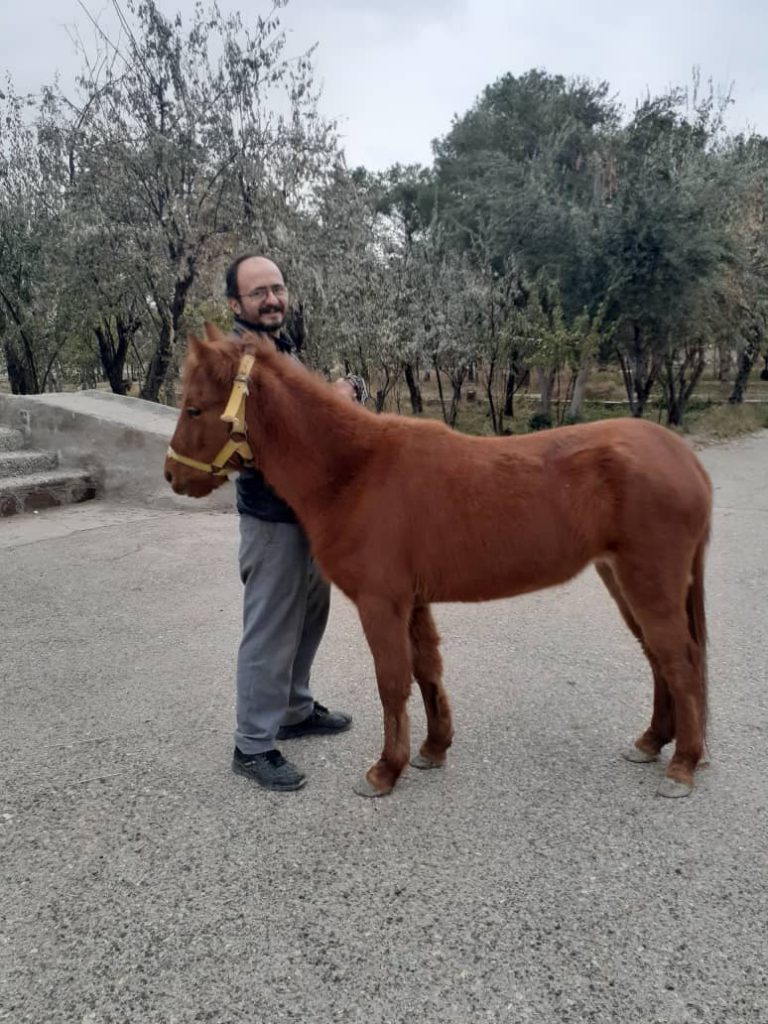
x: 182, y: 152
x: 664, y: 238
x: 743, y: 291
x: 406, y: 197
x: 32, y: 281
x: 523, y: 165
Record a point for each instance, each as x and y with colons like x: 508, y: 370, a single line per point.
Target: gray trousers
x: 285, y: 611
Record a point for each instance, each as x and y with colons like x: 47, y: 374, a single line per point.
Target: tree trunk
x: 724, y: 361
x: 390, y: 379
x: 159, y: 363
x: 509, y: 392
x: 639, y: 391
x: 417, y: 405
x: 18, y: 372
x: 457, y: 381
x: 518, y: 376
x: 681, y: 375
x: 439, y: 379
x: 640, y: 369
x: 24, y: 366
x: 674, y: 396
x: 490, y: 377
x: 576, y: 407
x: 163, y: 354
x: 745, y: 362
x: 545, y: 379
x: 113, y: 355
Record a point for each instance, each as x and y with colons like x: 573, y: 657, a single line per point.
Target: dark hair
x: 231, y: 276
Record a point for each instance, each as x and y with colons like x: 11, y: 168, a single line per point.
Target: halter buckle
x: 237, y: 442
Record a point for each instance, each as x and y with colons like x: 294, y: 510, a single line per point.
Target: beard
x: 258, y: 325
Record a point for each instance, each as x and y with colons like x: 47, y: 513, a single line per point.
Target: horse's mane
x: 294, y: 408
x: 303, y: 382
x: 305, y: 388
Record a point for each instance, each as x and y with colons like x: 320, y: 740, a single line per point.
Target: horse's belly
x: 503, y: 577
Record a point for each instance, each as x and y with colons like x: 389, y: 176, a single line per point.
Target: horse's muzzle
x: 174, y: 478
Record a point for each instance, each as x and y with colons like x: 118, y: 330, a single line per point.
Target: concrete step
x: 37, y: 491
x: 10, y: 440
x: 121, y: 441
x: 22, y: 463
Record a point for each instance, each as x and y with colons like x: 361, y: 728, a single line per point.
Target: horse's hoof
x: 365, y: 788
x: 419, y: 761
x: 638, y: 756
x: 673, y: 789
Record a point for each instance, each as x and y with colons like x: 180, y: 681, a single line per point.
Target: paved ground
x: 537, y: 879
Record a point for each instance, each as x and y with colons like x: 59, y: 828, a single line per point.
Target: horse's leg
x: 386, y: 629
x: 657, y: 595
x: 661, y: 731
x: 428, y: 671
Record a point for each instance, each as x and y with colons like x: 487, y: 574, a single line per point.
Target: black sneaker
x: 269, y: 769
x: 321, y: 722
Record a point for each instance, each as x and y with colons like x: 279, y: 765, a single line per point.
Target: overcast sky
x: 396, y: 71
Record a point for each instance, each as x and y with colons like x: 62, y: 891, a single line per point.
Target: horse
x: 402, y: 512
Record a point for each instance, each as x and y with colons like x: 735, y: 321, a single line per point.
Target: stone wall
x: 120, y: 441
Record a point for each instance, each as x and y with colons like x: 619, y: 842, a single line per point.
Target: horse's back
x: 662, y: 470
x: 661, y: 495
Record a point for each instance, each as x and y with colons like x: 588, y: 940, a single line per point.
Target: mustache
x: 261, y: 328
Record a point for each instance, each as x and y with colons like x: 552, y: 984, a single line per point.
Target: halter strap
x: 234, y: 413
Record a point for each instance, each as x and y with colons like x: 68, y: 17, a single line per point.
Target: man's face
x: 263, y: 297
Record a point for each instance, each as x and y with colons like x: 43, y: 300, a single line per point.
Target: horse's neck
x: 304, y: 444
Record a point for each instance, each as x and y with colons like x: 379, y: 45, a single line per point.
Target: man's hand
x: 346, y: 388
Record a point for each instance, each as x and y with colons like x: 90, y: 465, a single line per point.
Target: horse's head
x: 210, y: 440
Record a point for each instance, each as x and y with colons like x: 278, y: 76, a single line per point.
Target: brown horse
x: 402, y: 512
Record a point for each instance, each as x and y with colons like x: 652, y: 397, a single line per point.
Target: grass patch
x: 706, y: 422
x: 714, y: 423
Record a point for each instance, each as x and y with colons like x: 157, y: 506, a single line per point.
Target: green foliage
x: 551, y: 234
x: 178, y: 145
x: 525, y: 161
x: 540, y: 421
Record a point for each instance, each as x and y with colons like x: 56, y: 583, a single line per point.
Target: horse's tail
x: 697, y: 619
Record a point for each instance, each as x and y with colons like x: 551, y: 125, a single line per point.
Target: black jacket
x: 254, y: 495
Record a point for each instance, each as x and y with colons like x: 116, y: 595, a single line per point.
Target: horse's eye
x: 193, y: 412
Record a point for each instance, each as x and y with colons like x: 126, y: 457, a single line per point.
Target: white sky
x: 394, y: 72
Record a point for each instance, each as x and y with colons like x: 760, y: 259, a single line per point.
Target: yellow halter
x: 237, y: 443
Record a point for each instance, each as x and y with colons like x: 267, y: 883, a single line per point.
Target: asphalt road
x: 536, y: 879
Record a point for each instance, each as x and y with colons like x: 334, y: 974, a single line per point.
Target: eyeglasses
x: 278, y: 290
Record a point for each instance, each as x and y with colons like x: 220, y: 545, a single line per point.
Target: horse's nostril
x: 168, y: 476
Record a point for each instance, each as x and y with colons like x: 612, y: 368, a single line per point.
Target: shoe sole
x: 311, y: 732
x: 238, y: 769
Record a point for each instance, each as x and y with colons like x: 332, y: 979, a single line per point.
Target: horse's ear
x: 195, y: 347
x: 249, y: 342
x: 212, y: 332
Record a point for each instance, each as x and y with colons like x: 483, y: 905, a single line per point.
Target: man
x: 286, y: 600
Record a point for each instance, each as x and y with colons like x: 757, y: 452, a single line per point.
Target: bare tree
x: 182, y: 152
